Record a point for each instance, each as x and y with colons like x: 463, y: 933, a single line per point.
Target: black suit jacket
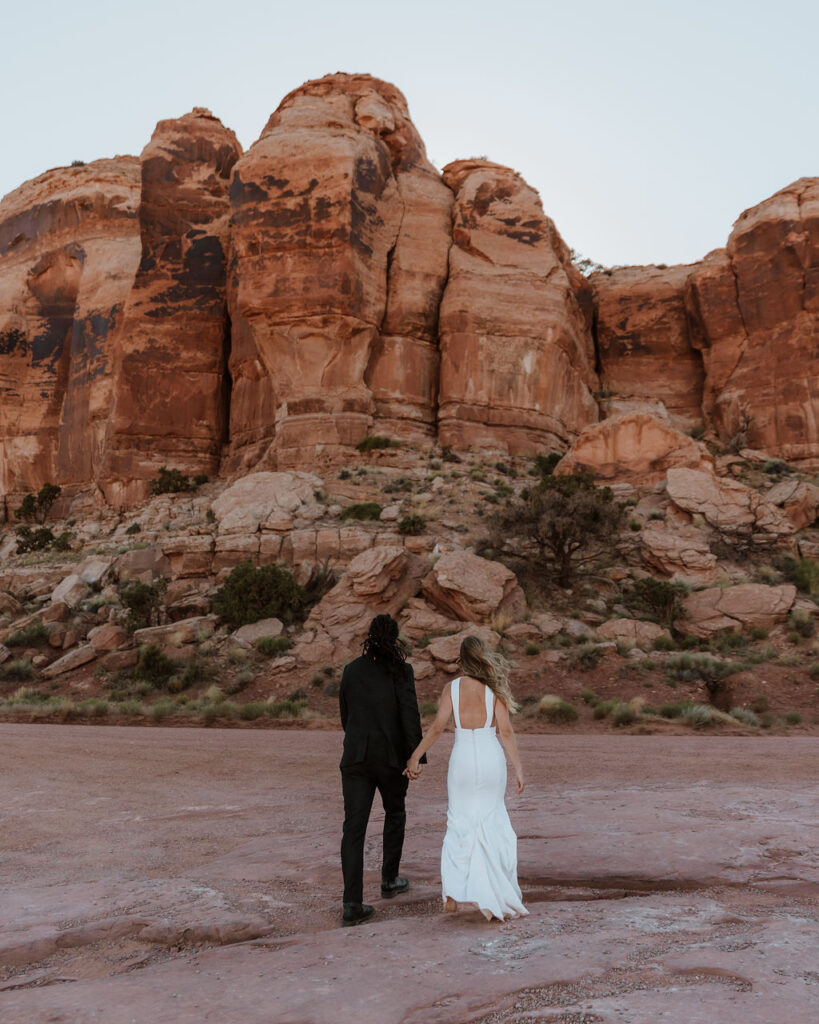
x: 379, y: 714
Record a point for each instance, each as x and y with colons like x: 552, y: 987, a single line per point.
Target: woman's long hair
x: 487, y: 666
x: 384, y: 645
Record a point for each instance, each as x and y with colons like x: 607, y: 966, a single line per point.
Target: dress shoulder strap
x: 455, y: 694
x: 490, y: 705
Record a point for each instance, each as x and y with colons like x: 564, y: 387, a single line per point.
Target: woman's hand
x: 521, y: 784
x: 413, y: 769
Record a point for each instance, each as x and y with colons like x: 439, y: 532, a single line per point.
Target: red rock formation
x: 169, y: 401
x: 643, y: 343
x: 338, y: 258
x: 754, y: 309
x: 69, y: 247
x: 517, y: 358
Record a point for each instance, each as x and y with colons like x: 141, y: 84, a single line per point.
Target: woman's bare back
x: 472, y: 705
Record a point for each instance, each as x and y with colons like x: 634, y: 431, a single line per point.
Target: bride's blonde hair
x: 487, y: 666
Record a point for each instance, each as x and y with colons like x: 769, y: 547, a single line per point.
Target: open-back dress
x: 479, y: 858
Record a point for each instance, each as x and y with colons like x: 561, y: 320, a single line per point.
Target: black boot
x: 355, y: 913
x: 394, y: 887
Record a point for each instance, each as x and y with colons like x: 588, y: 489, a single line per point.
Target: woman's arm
x: 434, y: 731
x: 507, y: 736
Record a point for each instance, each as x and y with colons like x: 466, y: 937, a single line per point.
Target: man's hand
x: 413, y: 769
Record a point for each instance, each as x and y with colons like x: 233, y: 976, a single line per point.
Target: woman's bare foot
x: 450, y: 906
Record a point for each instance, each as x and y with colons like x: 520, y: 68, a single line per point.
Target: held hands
x: 413, y: 769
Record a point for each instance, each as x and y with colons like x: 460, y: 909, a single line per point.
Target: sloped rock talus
x: 169, y: 401
x: 340, y: 234
x: 517, y: 356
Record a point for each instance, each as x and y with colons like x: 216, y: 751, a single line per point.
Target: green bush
x: 760, y: 704
x: 532, y: 649
x: 171, y: 481
x: 196, y: 671
x: 746, y: 716
x: 284, y: 709
x: 412, y: 525
x: 29, y: 636
x: 804, y: 574
x: 250, y: 594
x: 19, y: 670
x: 657, y: 600
x: 672, y: 710
x: 143, y: 603
x: 250, y: 712
x: 589, y: 697
x: 586, y: 656
x: 362, y: 511
x: 664, y: 643
x: 273, y: 645
x: 698, y: 716
x: 373, y: 442
x: 321, y: 580
x: 802, y: 621
x: 200, y: 479
x: 793, y: 718
x: 153, y: 666
x: 93, y: 707
x: 545, y: 464
x: 623, y: 714
x: 758, y: 633
x: 559, y: 713
x: 133, y: 528
x: 36, y: 509
x: 33, y: 540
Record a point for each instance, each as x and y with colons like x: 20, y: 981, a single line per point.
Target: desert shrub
x: 803, y: 573
x: 196, y: 671
x: 251, y: 593
x: 568, y: 519
x: 19, y: 670
x: 321, y: 580
x: 412, y: 525
x: 802, y: 622
x: 35, y: 509
x: 813, y: 671
x: 284, y: 708
x: 532, y: 649
x: 29, y: 636
x: 776, y: 467
x: 29, y: 539
x: 250, y: 712
x: 162, y: 708
x: 93, y: 707
x: 374, y: 441
x: 589, y: 697
x: 132, y: 707
x: 793, y: 718
x: 62, y: 542
x: 142, y: 602
x: 132, y: 529
x: 624, y: 648
x: 657, y: 600
x: 728, y: 642
x: 672, y: 710
x: 273, y: 645
x: 698, y: 716
x: 746, y: 716
x: 604, y: 708
x: 758, y: 633
x: 240, y: 682
x: 171, y: 481
x: 557, y: 711
x: 766, y: 720
x: 200, y: 479
x: 362, y: 511
x: 623, y: 714
x: 585, y: 656
x: 664, y: 643
x: 153, y: 666
x: 545, y: 464
x: 759, y: 705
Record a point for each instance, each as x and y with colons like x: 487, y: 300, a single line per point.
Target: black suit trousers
x: 359, y: 783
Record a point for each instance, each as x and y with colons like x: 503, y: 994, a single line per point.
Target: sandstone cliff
x: 219, y: 312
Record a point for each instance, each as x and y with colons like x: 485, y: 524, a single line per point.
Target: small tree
x: 250, y: 594
x: 35, y: 509
x: 143, y: 602
x: 568, y: 519
x: 658, y: 600
x: 171, y: 481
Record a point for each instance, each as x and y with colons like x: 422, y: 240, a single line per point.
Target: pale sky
x: 647, y: 127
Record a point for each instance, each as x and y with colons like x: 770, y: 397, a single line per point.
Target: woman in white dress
x: 479, y: 856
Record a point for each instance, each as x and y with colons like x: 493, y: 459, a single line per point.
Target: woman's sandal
x: 450, y: 906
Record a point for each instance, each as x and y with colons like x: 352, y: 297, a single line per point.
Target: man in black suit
x: 382, y: 726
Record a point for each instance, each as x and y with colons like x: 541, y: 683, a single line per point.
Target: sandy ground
x: 169, y: 875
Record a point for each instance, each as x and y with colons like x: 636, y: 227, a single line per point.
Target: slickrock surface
x: 175, y: 876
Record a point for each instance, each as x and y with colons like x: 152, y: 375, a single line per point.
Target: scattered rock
x: 473, y: 588
x: 74, y: 659
x: 419, y: 619
x: 726, y: 504
x: 186, y: 631
x: 798, y: 499
x: 447, y: 648
x: 71, y: 591
x: 107, y: 638
x: 720, y: 610
x: 679, y: 551
x: 247, y: 505
x: 633, y: 631
x: 257, y: 630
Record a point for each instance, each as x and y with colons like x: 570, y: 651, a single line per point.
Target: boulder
x: 798, y: 499
x: 725, y: 503
x: 74, y: 659
x: 143, y: 565
x: 474, y: 589
x: 679, y: 551
x: 257, y: 630
x: 631, y: 631
x: 71, y: 591
x: 115, y: 661
x: 548, y: 624
x: 418, y: 619
x: 9, y: 605
x: 186, y: 631
x: 446, y: 649
x: 189, y: 555
x: 94, y: 570
x: 719, y: 610
x: 261, y: 498
x: 517, y: 355
x: 635, y: 446
x: 107, y: 638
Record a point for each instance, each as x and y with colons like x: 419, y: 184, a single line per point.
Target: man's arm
x: 342, y: 700
x: 408, y: 709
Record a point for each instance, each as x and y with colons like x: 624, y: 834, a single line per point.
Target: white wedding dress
x: 479, y: 859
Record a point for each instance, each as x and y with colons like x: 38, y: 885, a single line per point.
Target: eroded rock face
x: 169, y: 389
x: 679, y: 551
x: 643, y: 341
x: 69, y: 249
x: 754, y: 313
x: 517, y: 357
x: 339, y: 244
x: 633, y: 446
x: 720, y: 610
x: 473, y: 589
x: 726, y: 504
